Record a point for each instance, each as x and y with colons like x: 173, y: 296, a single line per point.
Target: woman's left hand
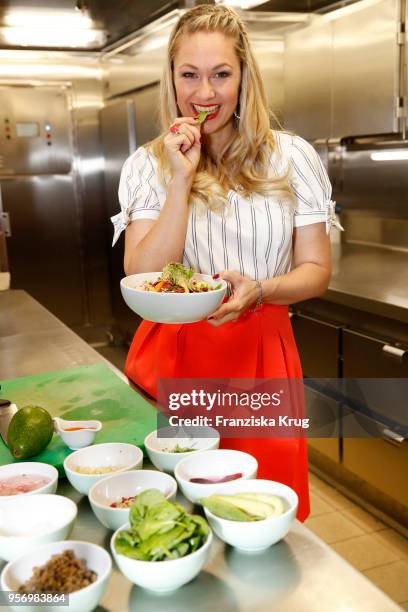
x: 244, y: 295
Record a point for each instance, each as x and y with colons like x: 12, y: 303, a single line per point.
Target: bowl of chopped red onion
x: 204, y: 473
x: 112, y: 497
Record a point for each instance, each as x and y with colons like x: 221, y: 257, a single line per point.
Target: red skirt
x: 259, y: 345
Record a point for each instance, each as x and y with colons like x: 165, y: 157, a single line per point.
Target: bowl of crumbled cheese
x: 86, y: 466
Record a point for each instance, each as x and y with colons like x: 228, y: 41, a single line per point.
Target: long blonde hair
x: 243, y: 163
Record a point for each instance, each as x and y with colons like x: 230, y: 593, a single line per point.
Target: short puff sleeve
x: 311, y: 187
x: 138, y: 192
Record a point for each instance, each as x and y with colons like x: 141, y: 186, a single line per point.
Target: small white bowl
x: 258, y: 535
x: 97, y: 559
x: 212, y: 464
x: 30, y: 468
x: 114, y: 454
x: 30, y: 522
x: 162, y: 576
x: 80, y: 438
x: 171, y: 307
x: 166, y: 461
x: 126, y: 484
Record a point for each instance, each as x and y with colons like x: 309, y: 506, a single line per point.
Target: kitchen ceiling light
x: 47, y: 19
x: 397, y: 155
x: 50, y: 37
x: 50, y: 28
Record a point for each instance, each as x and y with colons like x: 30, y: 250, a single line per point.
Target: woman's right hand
x: 184, y: 148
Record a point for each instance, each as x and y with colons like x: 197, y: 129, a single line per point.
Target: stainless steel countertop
x: 32, y: 340
x: 370, y: 278
x: 299, y: 574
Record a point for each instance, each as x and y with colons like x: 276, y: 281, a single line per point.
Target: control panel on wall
x: 35, y: 130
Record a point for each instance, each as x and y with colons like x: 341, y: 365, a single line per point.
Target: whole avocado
x: 29, y: 432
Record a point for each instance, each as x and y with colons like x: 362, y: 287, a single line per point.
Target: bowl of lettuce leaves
x: 162, y: 547
x: 177, y: 294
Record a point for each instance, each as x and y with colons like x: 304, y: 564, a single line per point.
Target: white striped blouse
x: 252, y: 236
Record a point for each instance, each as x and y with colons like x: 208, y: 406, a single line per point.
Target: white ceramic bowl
x: 212, y: 464
x: 171, y: 307
x: 114, y: 454
x: 258, y: 535
x: 162, y: 576
x: 31, y: 468
x: 80, y: 438
x: 166, y: 461
x: 126, y: 484
x: 20, y: 570
x: 30, y: 522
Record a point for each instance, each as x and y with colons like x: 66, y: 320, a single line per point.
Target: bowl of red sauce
x: 27, y: 478
x: 77, y: 434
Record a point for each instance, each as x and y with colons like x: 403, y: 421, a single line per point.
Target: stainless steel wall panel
x: 89, y: 165
x: 125, y: 125
x: 43, y: 247
x: 147, y: 114
x: 365, y: 70
x: 124, y: 73
x: 49, y: 150
x: 270, y: 57
x: 380, y: 186
x: 308, y: 80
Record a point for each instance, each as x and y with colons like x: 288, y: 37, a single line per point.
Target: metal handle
x: 392, y: 437
x: 394, y: 351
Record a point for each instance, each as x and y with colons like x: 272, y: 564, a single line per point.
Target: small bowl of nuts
x: 79, y: 569
x: 86, y: 466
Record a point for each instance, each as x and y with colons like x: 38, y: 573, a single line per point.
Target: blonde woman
x: 234, y: 199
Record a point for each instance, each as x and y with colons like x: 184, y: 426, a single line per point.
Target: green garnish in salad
x: 176, y: 278
x: 178, y: 274
x: 202, y: 116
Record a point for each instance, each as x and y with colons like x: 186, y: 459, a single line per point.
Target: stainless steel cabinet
x: 324, y: 414
x: 383, y: 463
x: 342, y: 73
x: 318, y: 345
x: 370, y: 357
x: 43, y: 249
x: 365, y: 70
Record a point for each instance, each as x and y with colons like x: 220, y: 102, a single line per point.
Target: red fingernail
x: 201, y: 141
x: 215, y: 276
x: 208, y: 318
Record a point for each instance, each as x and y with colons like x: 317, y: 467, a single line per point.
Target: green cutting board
x: 85, y: 392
